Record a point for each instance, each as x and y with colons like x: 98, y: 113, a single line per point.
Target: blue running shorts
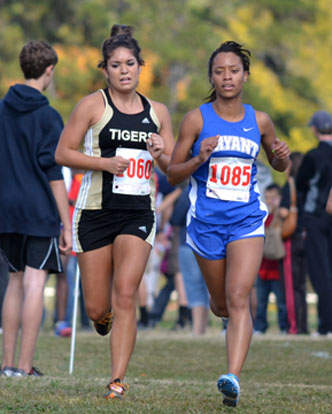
x: 210, y: 240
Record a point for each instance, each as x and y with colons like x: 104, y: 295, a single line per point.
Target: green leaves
x: 290, y: 41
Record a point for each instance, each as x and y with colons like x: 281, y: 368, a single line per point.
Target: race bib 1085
x: 136, y: 179
x: 229, y: 179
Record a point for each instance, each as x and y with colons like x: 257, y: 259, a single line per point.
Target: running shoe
x: 34, y: 372
x: 8, y: 371
x: 62, y: 329
x: 229, y: 386
x: 104, y: 325
x: 116, y: 389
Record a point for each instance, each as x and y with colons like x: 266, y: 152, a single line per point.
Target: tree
x: 290, y: 42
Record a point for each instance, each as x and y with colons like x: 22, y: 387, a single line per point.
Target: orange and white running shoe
x: 116, y: 389
x: 104, y: 325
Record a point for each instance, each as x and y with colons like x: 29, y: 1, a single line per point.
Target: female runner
x: 217, y: 148
x: 123, y: 133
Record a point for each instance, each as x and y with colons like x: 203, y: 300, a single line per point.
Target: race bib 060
x: 229, y: 179
x: 136, y: 179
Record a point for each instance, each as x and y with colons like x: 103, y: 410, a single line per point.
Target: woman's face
x: 228, y: 75
x: 122, y: 70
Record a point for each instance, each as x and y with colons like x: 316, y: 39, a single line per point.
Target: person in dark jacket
x: 314, y: 181
x: 33, y: 203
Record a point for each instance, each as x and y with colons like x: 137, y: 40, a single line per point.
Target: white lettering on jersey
x: 125, y: 135
x: 239, y: 144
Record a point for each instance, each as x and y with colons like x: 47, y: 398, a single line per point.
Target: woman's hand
x: 116, y: 165
x: 280, y: 149
x: 207, y: 147
x: 155, y: 145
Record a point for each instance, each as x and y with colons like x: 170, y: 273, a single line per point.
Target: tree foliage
x: 290, y: 42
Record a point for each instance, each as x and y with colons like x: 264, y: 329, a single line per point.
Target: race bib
x: 136, y: 179
x: 229, y: 179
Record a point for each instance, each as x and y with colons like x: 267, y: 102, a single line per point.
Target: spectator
x: 294, y: 266
x: 3, y: 283
x: 61, y: 327
x: 328, y: 207
x: 269, y: 273
x: 169, y: 267
x: 33, y: 201
x: 314, y: 181
x: 71, y: 266
x: 196, y: 291
x: 148, y: 286
x: 264, y: 176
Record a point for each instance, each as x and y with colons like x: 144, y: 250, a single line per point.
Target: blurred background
x: 290, y: 41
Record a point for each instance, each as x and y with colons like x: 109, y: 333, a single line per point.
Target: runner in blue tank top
x: 217, y: 147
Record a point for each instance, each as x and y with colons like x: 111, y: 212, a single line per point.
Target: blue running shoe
x: 229, y: 386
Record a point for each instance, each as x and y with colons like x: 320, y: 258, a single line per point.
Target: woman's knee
x: 219, y: 308
x: 96, y: 311
x: 125, y: 300
x: 237, y: 301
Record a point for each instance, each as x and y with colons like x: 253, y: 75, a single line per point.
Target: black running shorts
x: 93, y: 229
x: 37, y: 252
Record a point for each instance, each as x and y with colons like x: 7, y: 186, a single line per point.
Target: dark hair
x: 121, y: 36
x: 227, y: 47
x: 274, y: 186
x: 35, y: 57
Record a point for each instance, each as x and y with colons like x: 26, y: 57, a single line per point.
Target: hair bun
x: 121, y: 29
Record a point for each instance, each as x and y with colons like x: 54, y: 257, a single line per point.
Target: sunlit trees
x: 290, y: 41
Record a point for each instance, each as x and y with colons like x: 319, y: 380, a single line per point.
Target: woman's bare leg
x: 130, y: 255
x: 230, y: 282
x: 96, y: 274
x: 214, y: 272
x: 243, y: 262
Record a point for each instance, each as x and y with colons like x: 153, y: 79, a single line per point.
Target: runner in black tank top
x: 128, y: 131
x: 122, y: 133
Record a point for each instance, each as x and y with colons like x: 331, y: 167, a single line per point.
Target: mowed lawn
x: 173, y: 372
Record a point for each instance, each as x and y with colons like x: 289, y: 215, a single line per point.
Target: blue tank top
x: 224, y: 189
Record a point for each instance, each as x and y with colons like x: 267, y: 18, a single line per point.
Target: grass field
x: 175, y: 373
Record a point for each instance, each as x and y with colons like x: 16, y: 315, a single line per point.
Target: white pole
x: 73, y: 335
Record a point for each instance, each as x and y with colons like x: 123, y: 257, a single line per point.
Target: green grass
x: 175, y: 373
